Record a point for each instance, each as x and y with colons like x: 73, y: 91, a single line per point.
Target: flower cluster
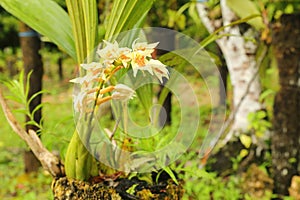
x: 139, y: 58
x: 94, y: 85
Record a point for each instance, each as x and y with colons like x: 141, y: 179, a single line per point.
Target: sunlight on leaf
x: 244, y: 9
x: 246, y: 140
x: 125, y: 15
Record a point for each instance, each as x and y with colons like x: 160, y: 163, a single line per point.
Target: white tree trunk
x: 242, y: 67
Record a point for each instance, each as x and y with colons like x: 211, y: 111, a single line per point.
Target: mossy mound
x: 69, y: 189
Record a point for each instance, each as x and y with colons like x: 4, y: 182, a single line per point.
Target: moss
x: 174, y: 192
x: 145, y: 194
x: 70, y: 189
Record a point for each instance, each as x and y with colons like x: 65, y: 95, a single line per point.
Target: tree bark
x: 241, y: 63
x: 286, y: 136
x: 60, y: 67
x: 167, y: 43
x: 30, y: 45
x: 240, y: 59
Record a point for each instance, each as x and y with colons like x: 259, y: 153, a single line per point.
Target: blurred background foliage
x: 180, y: 15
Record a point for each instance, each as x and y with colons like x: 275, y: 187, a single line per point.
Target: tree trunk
x: 167, y: 41
x: 60, y: 67
x: 10, y: 63
x: 30, y: 45
x: 240, y: 59
x: 241, y: 63
x: 285, y: 139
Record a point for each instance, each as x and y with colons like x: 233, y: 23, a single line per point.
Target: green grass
x: 58, y: 128
x: 15, y: 184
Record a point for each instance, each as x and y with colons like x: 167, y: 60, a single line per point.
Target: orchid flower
x: 109, y: 53
x: 123, y: 92
x: 159, y: 69
x: 82, y: 100
x: 144, y: 48
x: 124, y: 56
x: 94, y: 67
x: 139, y: 62
x: 86, y: 81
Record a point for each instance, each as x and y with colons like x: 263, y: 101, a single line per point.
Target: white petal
x: 159, y: 69
x: 76, y: 80
x: 144, y: 48
x: 123, y: 92
x: 143, y: 45
x: 110, y: 52
x: 134, y: 69
x: 123, y: 88
x: 92, y: 66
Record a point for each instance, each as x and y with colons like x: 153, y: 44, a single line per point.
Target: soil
x: 119, y: 189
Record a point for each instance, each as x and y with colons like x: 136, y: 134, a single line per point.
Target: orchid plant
x: 99, y: 85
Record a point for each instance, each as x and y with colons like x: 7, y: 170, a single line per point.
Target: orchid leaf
x: 125, y: 15
x: 83, y: 15
x: 47, y: 18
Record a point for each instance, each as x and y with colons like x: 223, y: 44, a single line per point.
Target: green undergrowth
x: 17, y: 185
x: 59, y: 125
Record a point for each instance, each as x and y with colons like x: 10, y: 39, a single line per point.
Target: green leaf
x: 71, y: 156
x: 131, y: 190
x: 47, y: 18
x: 292, y: 160
x: 261, y: 114
x: 35, y: 95
x: 172, y: 59
x: 125, y: 15
x: 78, y: 28
x: 91, y: 25
x: 22, y: 111
x: 243, y: 153
x: 244, y: 9
x: 145, y: 94
x: 83, y: 15
x: 246, y: 140
x: 171, y: 174
x: 266, y: 94
x: 214, y: 36
x: 38, y: 107
x: 194, y: 14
